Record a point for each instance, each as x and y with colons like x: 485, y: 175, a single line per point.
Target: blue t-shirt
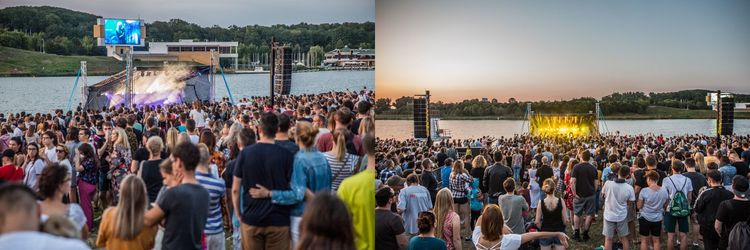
x: 269, y: 165
x: 413, y: 200
x: 653, y: 203
x: 426, y: 243
x: 727, y: 173
x: 445, y: 176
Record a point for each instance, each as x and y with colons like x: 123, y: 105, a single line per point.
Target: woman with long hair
x: 551, y: 216
x: 568, y: 195
x: 448, y: 225
x: 32, y: 165
x: 215, y: 157
x: 326, y: 224
x: 171, y: 139
x: 119, y: 160
x: 342, y: 162
x: 535, y: 192
x: 700, y: 163
x: 88, y: 167
x: 122, y: 227
x: 54, y: 183
x: 367, y: 125
x: 491, y: 232
x: 459, y: 180
x: 62, y: 159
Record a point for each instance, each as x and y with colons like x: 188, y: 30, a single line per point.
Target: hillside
x: 18, y: 62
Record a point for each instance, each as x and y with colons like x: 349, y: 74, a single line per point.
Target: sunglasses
x: 61, y: 150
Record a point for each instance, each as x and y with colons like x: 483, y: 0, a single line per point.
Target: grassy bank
x: 17, y: 62
x: 653, y: 112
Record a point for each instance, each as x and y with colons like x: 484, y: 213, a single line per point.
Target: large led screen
x: 122, y: 32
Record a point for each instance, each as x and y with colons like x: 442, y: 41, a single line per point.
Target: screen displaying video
x: 122, y: 32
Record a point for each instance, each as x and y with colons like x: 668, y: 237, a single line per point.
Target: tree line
x: 67, y: 32
x: 615, y: 103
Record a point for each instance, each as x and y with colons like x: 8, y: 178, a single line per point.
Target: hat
x: 395, y: 181
x: 739, y: 185
x: 9, y: 153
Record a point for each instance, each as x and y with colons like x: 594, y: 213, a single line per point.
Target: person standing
x: 356, y: 192
x: 426, y: 239
x: 9, y: 172
x: 699, y: 182
x: 427, y: 179
x: 728, y: 171
x: 618, y: 196
x: 674, y: 184
x: 264, y: 225
x: 706, y: 206
x: 459, y: 180
x: 551, y: 216
x: 494, y: 176
x: 583, y: 181
x: 413, y: 200
x: 122, y: 227
x: 214, y: 230
x: 651, y: 203
x: 389, y: 227
x: 513, y: 206
x: 183, y: 207
x: 732, y: 211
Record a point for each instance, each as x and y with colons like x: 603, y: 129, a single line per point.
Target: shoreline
x: 741, y: 116
x: 90, y: 73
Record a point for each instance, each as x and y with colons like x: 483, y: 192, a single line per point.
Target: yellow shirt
x: 107, y: 239
x: 358, y: 193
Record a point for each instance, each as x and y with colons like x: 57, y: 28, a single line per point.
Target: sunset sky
x: 551, y: 50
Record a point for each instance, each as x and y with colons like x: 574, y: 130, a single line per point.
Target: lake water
x: 403, y: 129
x: 44, y: 94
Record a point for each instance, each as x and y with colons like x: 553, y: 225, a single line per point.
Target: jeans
x: 236, y: 235
x: 295, y: 220
x: 517, y: 172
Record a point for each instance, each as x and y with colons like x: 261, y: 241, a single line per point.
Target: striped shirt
x: 215, y: 188
x: 340, y: 169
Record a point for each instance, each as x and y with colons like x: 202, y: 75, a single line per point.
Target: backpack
x: 679, y: 206
x: 739, y: 237
x: 475, y: 203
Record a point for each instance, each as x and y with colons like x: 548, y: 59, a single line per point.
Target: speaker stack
x: 726, y: 116
x: 420, y: 118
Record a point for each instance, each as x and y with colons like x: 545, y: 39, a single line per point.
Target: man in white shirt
x: 197, y: 115
x: 20, y: 222
x: 618, y: 196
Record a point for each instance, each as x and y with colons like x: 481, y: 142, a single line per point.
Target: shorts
x: 609, y: 228
x: 545, y: 242
x: 670, y: 222
x: 647, y: 228
x: 584, y: 205
x: 460, y: 201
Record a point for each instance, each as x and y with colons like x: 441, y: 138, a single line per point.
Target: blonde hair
x: 172, y: 138
x: 339, y: 143
x: 122, y: 138
x: 128, y: 221
x: 443, y: 206
x: 305, y: 134
x: 154, y: 145
x: 458, y: 168
x: 479, y: 162
x: 548, y: 187
x: 183, y: 137
x: 367, y: 125
x: 700, y: 162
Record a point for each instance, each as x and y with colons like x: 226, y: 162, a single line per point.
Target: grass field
x: 17, y: 62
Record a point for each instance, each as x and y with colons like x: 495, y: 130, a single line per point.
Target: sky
x: 553, y: 50
x: 221, y: 12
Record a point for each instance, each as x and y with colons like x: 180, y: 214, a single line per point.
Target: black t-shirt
x: 355, y: 126
x: 428, y: 180
x: 698, y: 181
x: 585, y: 175
x: 141, y: 154
x: 186, y: 210
x: 478, y: 173
x: 387, y: 226
x: 441, y: 159
x: 269, y: 165
x: 545, y: 172
x: 151, y: 175
x: 730, y: 212
x: 494, y: 177
x: 289, y: 145
x: 640, y: 177
x: 741, y: 168
x: 228, y: 174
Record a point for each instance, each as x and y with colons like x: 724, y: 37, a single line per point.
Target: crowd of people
x: 527, y: 192
x: 295, y: 174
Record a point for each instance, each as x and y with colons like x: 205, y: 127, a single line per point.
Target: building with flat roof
x: 347, y: 57
x: 187, y: 50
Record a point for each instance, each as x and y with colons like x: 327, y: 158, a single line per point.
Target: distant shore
x: 703, y: 115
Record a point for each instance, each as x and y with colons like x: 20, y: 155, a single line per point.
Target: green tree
x: 87, y: 45
x: 14, y: 39
x: 316, y: 55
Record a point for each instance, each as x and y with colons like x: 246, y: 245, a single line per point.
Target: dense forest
x: 67, y: 32
x: 616, y: 103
